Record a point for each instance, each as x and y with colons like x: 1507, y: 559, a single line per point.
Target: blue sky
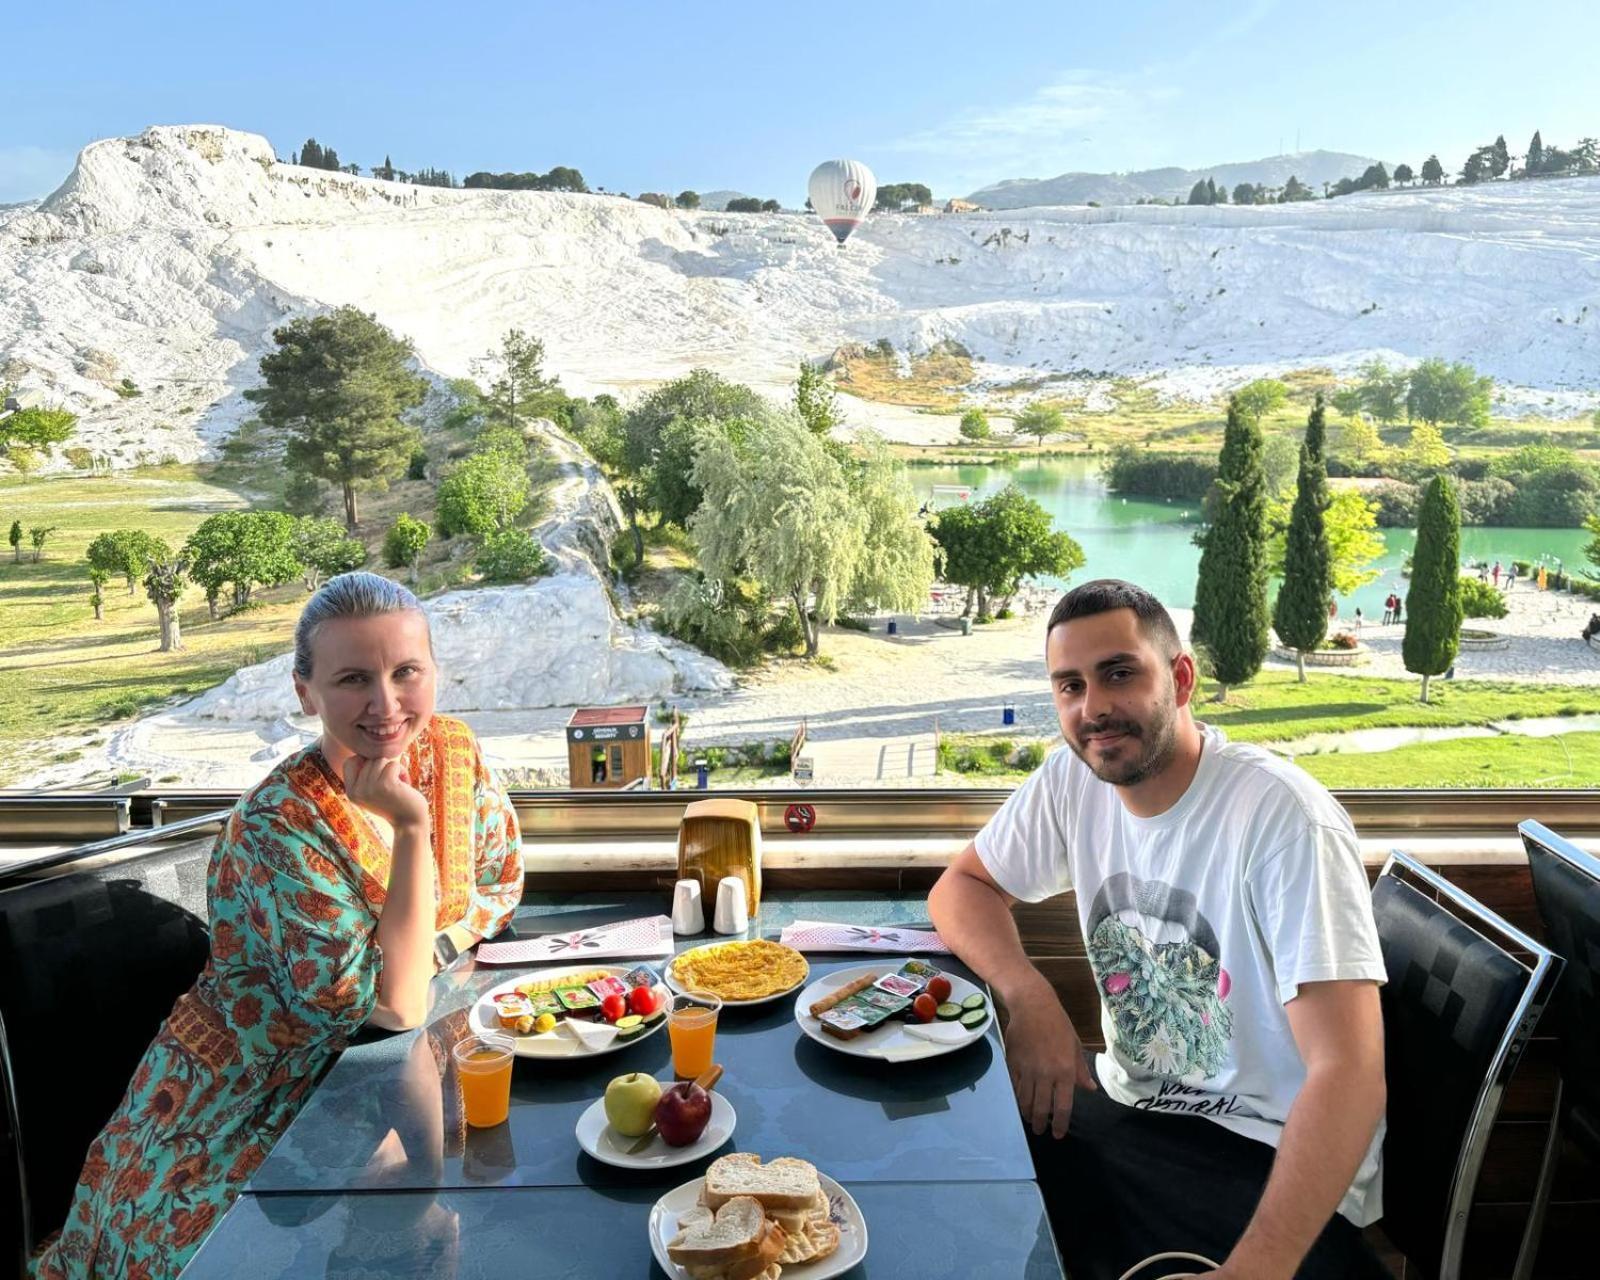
x: 666, y: 96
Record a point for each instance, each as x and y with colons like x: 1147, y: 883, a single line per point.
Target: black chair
x: 1458, y: 1010
x: 93, y: 960
x: 1566, y: 889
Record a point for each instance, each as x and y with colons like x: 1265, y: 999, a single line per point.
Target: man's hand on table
x: 1045, y: 1057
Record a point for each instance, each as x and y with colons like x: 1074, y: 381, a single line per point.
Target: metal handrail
x: 25, y: 868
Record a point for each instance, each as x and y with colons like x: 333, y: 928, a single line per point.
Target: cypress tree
x: 1300, y: 614
x: 1230, y: 607
x: 1535, y: 161
x: 311, y: 154
x: 1433, y: 601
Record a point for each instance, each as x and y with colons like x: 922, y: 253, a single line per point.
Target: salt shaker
x: 733, y: 912
x: 688, y: 911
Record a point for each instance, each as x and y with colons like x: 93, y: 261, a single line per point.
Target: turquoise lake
x: 1149, y: 541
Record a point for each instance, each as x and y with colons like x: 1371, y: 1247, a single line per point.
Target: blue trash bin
x: 894, y: 627
x: 1008, y: 713
x: 702, y: 774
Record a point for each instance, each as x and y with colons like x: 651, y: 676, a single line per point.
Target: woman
x: 326, y: 889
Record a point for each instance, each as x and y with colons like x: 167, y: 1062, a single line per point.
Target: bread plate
x: 843, y: 1212
x: 674, y: 982
x: 608, y: 1146
x: 890, y: 1041
x: 563, y: 1042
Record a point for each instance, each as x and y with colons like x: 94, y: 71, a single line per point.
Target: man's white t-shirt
x: 1201, y: 924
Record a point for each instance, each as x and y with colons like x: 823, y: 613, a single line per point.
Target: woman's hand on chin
x: 383, y: 787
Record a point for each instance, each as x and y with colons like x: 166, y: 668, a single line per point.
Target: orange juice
x: 483, y: 1064
x: 692, y: 1028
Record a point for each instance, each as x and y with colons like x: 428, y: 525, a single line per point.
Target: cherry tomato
x: 925, y: 1007
x: 613, y: 1007
x: 939, y: 989
x: 642, y: 1000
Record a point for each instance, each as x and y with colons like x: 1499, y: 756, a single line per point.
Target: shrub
x: 716, y: 618
x: 404, y: 542
x: 302, y: 495
x: 1481, y: 599
x: 785, y: 635
x: 1398, y: 504
x: 1343, y: 640
x: 511, y: 555
x: 1030, y: 756
x: 1000, y: 749
x: 80, y: 458
x: 1524, y: 568
x: 126, y: 389
x: 417, y: 468
x: 975, y: 425
x: 852, y: 624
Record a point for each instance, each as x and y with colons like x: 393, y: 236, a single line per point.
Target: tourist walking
x: 1496, y: 573
x: 1511, y: 577
x: 1358, y: 619
x: 1399, y: 608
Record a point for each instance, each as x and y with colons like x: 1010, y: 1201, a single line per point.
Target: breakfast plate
x: 843, y: 1212
x: 608, y: 1146
x: 783, y: 968
x: 893, y: 1039
x: 567, y: 1040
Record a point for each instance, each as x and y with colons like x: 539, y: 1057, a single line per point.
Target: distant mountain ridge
x: 1312, y: 168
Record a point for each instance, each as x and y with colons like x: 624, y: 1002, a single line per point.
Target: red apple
x: 683, y: 1114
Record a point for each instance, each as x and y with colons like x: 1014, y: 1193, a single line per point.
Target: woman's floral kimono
x: 297, y: 880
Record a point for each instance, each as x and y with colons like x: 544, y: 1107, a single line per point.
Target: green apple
x: 631, y: 1103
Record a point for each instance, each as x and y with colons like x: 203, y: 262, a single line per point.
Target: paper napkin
x: 823, y: 935
x: 648, y: 937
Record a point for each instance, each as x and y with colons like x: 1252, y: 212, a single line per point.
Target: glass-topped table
x: 381, y: 1154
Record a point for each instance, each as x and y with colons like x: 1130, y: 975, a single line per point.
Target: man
x: 1226, y: 912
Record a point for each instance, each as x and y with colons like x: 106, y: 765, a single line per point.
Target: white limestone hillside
x: 168, y: 259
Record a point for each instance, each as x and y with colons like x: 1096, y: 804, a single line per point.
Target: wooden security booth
x: 607, y: 747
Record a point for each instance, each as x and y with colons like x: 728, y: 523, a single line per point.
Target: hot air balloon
x: 842, y: 191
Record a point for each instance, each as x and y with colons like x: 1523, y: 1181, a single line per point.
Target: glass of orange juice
x: 692, y: 1027
x: 483, y: 1064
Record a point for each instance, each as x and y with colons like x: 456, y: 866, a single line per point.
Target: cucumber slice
x: 974, y: 1018
x: 949, y: 1011
x: 658, y: 1012
x: 629, y: 1026
x: 974, y: 1002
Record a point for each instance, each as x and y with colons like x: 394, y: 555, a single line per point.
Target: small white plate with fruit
x: 574, y: 1012
x: 640, y: 1125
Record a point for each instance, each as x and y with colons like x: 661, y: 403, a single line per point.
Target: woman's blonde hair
x: 350, y: 595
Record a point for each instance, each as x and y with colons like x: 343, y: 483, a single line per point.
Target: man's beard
x: 1157, y: 743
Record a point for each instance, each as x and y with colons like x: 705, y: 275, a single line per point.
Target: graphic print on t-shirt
x: 1159, y: 966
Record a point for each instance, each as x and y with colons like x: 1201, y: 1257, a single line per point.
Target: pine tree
x: 330, y: 160
x: 339, y: 385
x: 1432, y: 171
x: 1197, y: 193
x: 311, y: 154
x: 1499, y: 157
x: 1433, y: 601
x: 1300, y: 615
x: 1211, y: 191
x: 1535, y: 161
x: 1230, y: 608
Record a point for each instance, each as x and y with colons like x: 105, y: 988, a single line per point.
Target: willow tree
x: 784, y: 509
x: 1300, y: 614
x: 1230, y: 606
x: 1433, y: 601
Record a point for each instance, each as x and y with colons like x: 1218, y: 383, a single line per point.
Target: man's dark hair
x: 1105, y: 594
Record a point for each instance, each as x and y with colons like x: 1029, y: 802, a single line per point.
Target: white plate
x: 843, y: 1212
x: 608, y: 1146
x: 562, y: 1042
x: 889, y: 1040
x: 673, y: 982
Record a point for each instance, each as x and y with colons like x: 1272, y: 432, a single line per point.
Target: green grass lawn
x: 1570, y: 760
x: 64, y: 672
x: 1276, y: 708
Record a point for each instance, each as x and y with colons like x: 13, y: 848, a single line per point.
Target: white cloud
x: 1059, y: 126
x: 28, y: 173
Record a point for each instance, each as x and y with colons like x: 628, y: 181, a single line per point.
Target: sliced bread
x: 735, y: 1232
x: 785, y: 1184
